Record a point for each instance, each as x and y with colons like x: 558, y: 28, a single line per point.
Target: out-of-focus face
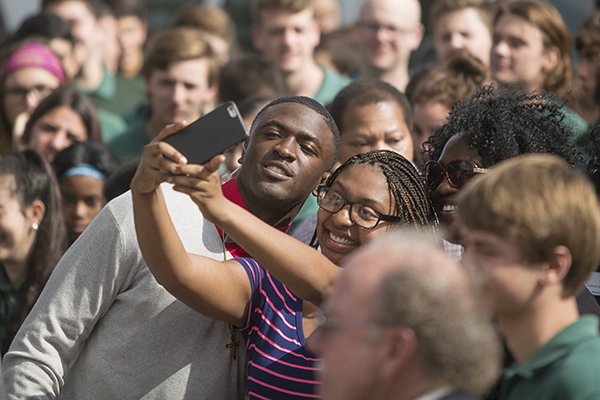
x: 82, y: 200
x: 234, y: 153
x: 444, y: 195
x: 56, y: 130
x: 219, y: 46
x: 587, y: 70
x: 337, y: 234
x: 518, y: 54
x: 509, y: 282
x: 180, y: 92
x: 426, y: 117
x: 65, y: 50
x: 24, y: 88
x: 350, y: 371
x: 233, y: 156
x: 387, y: 32
x: 376, y: 126
x: 463, y: 30
x: 16, y: 233
x: 111, y: 51
x: 83, y: 24
x: 327, y: 14
x: 287, y: 40
x: 131, y: 34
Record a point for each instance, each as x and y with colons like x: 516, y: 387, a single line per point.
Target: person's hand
x: 159, y: 161
x: 203, y: 184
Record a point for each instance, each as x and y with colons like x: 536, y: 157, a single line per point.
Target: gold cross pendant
x: 233, y: 345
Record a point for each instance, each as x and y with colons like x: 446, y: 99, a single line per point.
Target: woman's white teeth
x: 339, y: 239
x: 449, y: 207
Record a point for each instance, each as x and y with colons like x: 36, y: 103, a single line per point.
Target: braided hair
x: 406, y: 186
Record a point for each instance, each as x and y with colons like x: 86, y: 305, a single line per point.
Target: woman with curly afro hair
x: 488, y: 127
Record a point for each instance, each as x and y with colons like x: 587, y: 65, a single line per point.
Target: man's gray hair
x: 429, y: 293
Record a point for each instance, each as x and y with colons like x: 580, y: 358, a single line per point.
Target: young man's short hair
x: 210, y: 18
x: 459, y: 76
x: 129, y: 8
x: 538, y: 202
x: 291, y: 6
x: 365, y: 92
x: 443, y: 7
x: 179, y: 44
x: 95, y: 6
x: 247, y: 75
x: 588, y: 35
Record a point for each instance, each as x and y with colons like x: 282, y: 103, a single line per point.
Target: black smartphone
x: 210, y: 135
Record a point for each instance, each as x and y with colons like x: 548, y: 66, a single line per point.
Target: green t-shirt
x: 120, y: 95
x: 111, y: 123
x: 574, y: 122
x: 332, y: 84
x: 565, y: 368
x: 130, y: 143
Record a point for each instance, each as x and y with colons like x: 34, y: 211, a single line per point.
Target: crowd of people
x: 389, y: 229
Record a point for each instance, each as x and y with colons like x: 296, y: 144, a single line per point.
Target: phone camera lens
x: 231, y: 111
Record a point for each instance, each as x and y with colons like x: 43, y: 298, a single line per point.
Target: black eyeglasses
x: 361, y: 215
x: 457, y: 172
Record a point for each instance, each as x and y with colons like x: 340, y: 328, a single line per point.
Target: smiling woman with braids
x: 275, y: 308
x: 410, y: 205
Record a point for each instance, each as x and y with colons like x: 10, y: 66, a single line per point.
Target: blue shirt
x: 279, y: 364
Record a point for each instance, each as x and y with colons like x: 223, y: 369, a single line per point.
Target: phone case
x: 210, y: 135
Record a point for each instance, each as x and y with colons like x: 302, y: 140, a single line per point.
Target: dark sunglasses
x: 457, y: 173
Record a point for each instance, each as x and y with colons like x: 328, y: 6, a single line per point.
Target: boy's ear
x: 558, y: 265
